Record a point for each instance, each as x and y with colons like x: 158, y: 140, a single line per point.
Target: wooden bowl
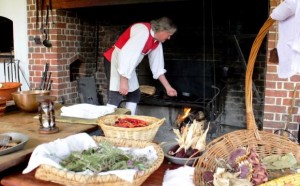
x: 6, y: 88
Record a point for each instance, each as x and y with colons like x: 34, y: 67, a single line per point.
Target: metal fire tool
x: 37, y: 38
x: 44, y: 77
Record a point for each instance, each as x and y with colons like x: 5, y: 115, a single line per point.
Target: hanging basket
x: 265, y: 143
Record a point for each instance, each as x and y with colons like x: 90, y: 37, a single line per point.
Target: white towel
x: 180, y: 176
x: 86, y: 111
x: 53, y: 152
x: 288, y: 16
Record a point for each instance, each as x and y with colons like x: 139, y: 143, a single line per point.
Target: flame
x: 185, y: 114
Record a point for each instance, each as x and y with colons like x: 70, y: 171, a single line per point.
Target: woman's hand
x: 123, y: 86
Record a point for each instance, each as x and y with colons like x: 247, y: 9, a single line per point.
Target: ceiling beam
x: 69, y: 4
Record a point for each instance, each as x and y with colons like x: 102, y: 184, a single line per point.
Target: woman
x: 138, y: 40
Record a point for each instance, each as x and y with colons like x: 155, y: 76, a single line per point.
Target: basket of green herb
x: 130, y: 127
x: 103, y: 159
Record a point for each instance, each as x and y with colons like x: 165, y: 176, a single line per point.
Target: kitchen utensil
x: 26, y: 100
x: 50, y: 3
x: 46, y: 87
x: 44, y: 77
x: 16, y: 136
x: 47, y: 43
x: 42, y: 17
x: 49, y: 85
x: 4, y: 140
x: 37, y: 38
x: 167, y: 146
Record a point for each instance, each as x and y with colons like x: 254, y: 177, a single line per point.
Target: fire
x: 181, y: 117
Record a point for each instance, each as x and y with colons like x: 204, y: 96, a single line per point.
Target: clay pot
x: 2, y: 105
x: 7, y: 88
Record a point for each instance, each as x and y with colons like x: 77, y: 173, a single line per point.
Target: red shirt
x: 150, y: 44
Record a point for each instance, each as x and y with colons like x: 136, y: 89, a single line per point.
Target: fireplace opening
x: 197, y: 82
x: 201, y: 58
x: 77, y: 70
x: 6, y: 32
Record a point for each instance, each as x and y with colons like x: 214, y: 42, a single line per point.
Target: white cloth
x: 288, y: 16
x: 52, y: 153
x: 180, y: 176
x: 86, y: 111
x: 125, y: 60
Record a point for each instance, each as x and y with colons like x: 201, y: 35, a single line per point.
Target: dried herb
x: 104, y: 157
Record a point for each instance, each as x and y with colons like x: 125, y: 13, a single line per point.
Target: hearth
x: 195, y: 57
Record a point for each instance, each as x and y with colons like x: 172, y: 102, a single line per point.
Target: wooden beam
x: 69, y: 4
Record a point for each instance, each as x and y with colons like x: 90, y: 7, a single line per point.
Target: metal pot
x: 26, y: 100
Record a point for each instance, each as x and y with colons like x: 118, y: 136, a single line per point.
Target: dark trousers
x: 114, y: 97
x: 107, y: 69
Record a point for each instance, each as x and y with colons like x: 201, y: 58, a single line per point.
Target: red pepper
x: 130, y: 123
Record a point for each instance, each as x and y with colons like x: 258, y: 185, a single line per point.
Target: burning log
x: 188, y: 117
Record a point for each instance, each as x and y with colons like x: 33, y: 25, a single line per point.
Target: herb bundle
x: 104, y: 157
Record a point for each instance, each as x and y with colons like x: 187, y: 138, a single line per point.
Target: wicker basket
x: 49, y: 173
x: 265, y: 143
x: 139, y: 133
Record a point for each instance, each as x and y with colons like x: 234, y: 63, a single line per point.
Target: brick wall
x: 279, y: 91
x: 73, y: 38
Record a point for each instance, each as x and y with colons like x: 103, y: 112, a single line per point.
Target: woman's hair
x: 163, y: 24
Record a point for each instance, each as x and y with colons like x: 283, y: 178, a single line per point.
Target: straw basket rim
x: 50, y: 173
x: 265, y: 143
x: 146, y: 133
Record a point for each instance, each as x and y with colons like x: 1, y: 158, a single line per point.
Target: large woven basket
x: 49, y: 173
x: 265, y: 143
x: 146, y: 133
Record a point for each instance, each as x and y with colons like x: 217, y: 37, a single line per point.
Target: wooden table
x: 17, y: 121
x: 12, y: 165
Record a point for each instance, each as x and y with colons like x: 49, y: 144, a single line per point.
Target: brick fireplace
x: 79, y: 40
x: 73, y: 41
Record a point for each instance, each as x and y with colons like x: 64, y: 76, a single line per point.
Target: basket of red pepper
x: 130, y: 127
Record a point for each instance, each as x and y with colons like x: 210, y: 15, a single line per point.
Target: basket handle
x: 251, y: 124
